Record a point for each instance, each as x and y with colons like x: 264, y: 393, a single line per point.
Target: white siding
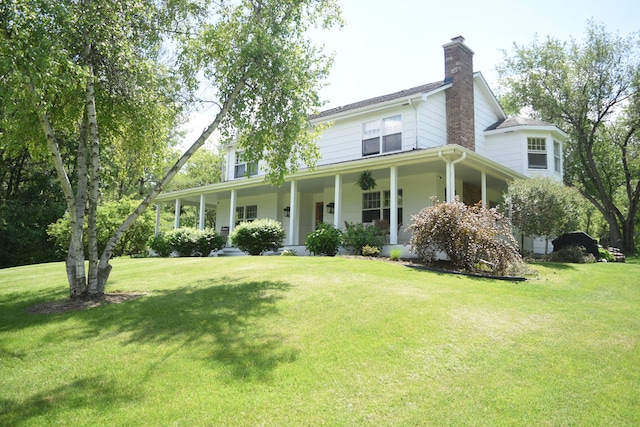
x: 432, y: 121
x: 508, y: 149
x: 343, y: 140
x: 484, y: 117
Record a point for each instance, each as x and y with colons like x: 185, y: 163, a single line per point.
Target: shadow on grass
x: 90, y: 392
x: 223, y: 321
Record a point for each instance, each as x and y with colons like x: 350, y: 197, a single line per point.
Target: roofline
x: 551, y: 128
x: 349, y: 166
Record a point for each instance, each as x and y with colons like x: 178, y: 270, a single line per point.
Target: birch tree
x: 93, y: 68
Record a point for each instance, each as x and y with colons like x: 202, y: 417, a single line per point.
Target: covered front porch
x: 406, y: 183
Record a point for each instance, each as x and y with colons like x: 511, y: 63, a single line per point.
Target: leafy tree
x: 474, y: 238
x: 542, y: 207
x: 589, y: 88
x: 68, y: 63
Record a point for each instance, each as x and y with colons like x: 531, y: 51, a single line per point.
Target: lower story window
x: 377, y: 205
x: 246, y: 213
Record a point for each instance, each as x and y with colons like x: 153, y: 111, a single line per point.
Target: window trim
x: 383, y: 208
x: 242, y: 213
x: 251, y: 167
x: 557, y: 157
x: 381, y: 131
x: 534, y: 149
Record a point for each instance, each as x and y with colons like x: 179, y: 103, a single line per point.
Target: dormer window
x: 537, y: 153
x: 243, y: 168
x: 382, y: 136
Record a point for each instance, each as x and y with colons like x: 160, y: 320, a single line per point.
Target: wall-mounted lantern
x: 287, y: 212
x: 330, y: 207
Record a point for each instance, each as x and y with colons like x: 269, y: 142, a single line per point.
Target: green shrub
x: 471, y: 236
x: 209, y: 240
x: 183, y: 240
x: 371, y: 251
x: 606, y: 255
x: 324, y: 240
x: 395, y: 254
x: 110, y: 217
x: 258, y: 236
x: 160, y: 245
x: 358, y: 236
x: 575, y: 254
x: 187, y: 242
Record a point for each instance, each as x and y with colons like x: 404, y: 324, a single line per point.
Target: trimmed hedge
x: 259, y: 236
x: 187, y: 242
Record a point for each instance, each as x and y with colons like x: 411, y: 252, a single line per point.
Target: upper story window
x: 537, y: 153
x: 557, y: 157
x: 382, y: 136
x: 243, y: 168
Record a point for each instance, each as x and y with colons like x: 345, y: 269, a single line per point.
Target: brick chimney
x: 458, y: 70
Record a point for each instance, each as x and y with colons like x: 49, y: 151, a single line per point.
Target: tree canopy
x: 97, y: 72
x: 542, y: 207
x: 589, y: 88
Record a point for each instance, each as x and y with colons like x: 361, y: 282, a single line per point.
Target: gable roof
x: 380, y: 99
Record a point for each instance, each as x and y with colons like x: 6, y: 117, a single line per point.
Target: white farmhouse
x: 440, y: 139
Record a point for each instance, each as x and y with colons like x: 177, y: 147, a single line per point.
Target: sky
x: 387, y: 46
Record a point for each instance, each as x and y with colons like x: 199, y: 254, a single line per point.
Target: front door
x: 319, y: 212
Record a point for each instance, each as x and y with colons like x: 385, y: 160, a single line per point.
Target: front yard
x: 323, y: 341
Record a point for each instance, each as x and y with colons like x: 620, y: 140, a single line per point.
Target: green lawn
x: 311, y: 341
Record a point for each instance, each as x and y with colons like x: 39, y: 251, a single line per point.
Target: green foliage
x: 110, y: 216
x: 589, y: 88
x: 543, y: 207
x: 358, y: 236
x: 324, y: 240
x: 606, y: 255
x: 259, y: 236
x: 366, y: 181
x: 370, y: 251
x: 573, y: 254
x: 395, y: 254
x: 160, y: 245
x: 183, y: 240
x: 469, y: 235
x: 187, y: 241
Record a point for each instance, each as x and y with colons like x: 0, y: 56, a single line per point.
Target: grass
x: 323, y: 341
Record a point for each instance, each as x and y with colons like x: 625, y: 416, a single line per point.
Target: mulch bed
x: 65, y: 305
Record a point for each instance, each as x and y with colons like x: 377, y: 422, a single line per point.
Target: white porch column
x: 176, y: 218
x: 483, y: 188
x: 232, y: 211
x: 202, y: 209
x: 337, y: 201
x: 293, y: 214
x: 393, y: 217
x: 158, y: 209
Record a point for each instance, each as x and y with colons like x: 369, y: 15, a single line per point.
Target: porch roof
x: 323, y: 175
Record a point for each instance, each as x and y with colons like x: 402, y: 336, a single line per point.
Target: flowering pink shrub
x: 474, y: 238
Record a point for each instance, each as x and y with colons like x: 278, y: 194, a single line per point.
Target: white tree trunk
x: 104, y: 268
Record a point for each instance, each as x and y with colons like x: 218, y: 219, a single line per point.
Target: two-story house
x: 441, y: 139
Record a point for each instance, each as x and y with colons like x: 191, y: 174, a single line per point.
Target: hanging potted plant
x: 366, y: 181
